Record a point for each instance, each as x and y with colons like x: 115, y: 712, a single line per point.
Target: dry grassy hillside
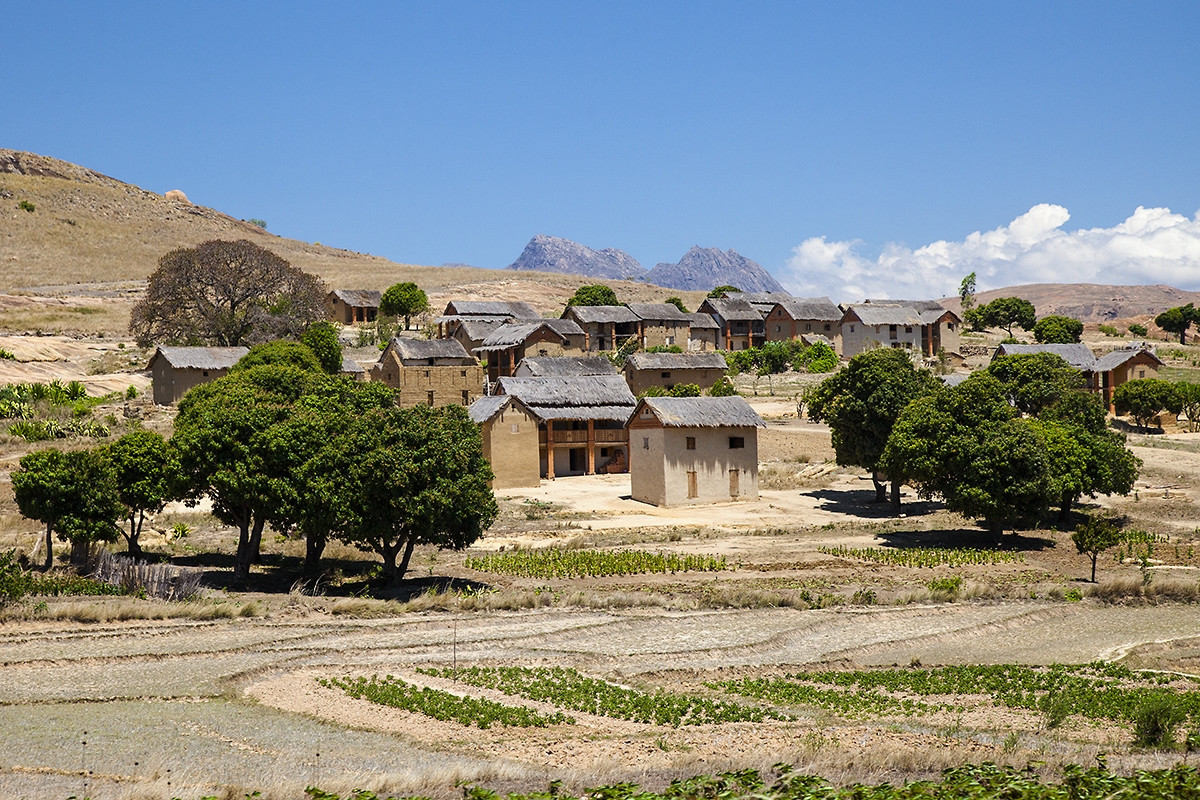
x: 79, y: 259
x: 1091, y: 302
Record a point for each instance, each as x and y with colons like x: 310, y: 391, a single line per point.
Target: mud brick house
x: 703, y: 333
x: 1102, y: 375
x: 668, y: 370
x: 868, y: 325
x: 794, y: 318
x: 349, y: 306
x: 510, y: 343
x: 352, y: 369
x: 564, y: 367
x: 433, y: 372
x: 510, y: 440
x: 763, y: 302
x: 581, y: 421
x: 740, y: 325
x: 470, y: 321
x: 693, y: 450
x: 604, y: 327
x: 174, y: 370
x: 660, y: 324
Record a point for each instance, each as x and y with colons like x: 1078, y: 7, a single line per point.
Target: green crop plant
x: 557, y: 562
x: 925, y: 556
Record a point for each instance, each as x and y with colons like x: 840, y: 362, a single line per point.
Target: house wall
x: 572, y: 435
x: 448, y: 383
x: 662, y: 332
x: 510, y: 444
x: 659, y: 463
x: 781, y: 327
x: 171, y: 384
x: 857, y: 337
x: 640, y: 380
x: 1140, y: 366
x: 338, y: 311
x: 701, y: 340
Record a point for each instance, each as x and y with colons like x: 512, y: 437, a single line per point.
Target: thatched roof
x: 936, y: 315
x: 584, y: 397
x: 485, y: 408
x: 600, y: 314
x: 358, y: 298
x: 701, y: 412
x: 812, y: 338
x: 821, y: 309
x: 732, y: 309
x: 351, y: 367
x: 916, y: 305
x: 1117, y: 358
x: 564, y: 366
x: 669, y: 361
x: 199, y: 357
x: 657, y: 311
x: 515, y: 333
x: 479, y: 328
x: 884, y: 315
x: 699, y: 319
x: 421, y: 350
x: 491, y: 308
x: 763, y: 301
x: 1077, y: 355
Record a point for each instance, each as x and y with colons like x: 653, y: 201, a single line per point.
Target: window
x: 516, y: 427
x: 691, y: 443
x: 1141, y: 373
x: 645, y: 442
x: 426, y: 373
x: 664, y: 375
x: 463, y: 373
x: 908, y: 328
x: 737, y: 442
x: 604, y: 452
x: 693, y: 488
x: 852, y: 329
x: 808, y: 326
x: 892, y: 331
x: 430, y: 364
x: 206, y: 373
x: 543, y: 353
x: 827, y: 327
x: 429, y: 397
x: 466, y: 398
x: 778, y: 328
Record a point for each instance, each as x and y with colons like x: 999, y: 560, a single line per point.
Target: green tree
x: 1005, y: 312
x: 1033, y: 381
x: 817, y: 359
x: 1094, y: 536
x: 595, y: 295
x: 966, y: 294
x: 279, y: 353
x: 721, y: 291
x: 1177, y: 320
x: 1146, y: 398
x: 1138, y: 330
x: 146, y: 480
x: 1057, y: 329
x: 862, y: 402
x: 685, y: 390
x: 228, y: 294
x: 414, y: 476
x: 1189, y: 403
x: 322, y: 339
x: 722, y: 388
x: 965, y: 445
x: 74, y: 494
x: 678, y: 303
x: 404, y: 300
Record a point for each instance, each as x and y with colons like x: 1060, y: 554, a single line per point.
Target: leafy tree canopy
x: 721, y: 291
x: 1189, y: 403
x: 678, y: 303
x: 1146, y: 398
x: 279, y: 353
x: 322, y: 339
x: 1005, y: 312
x: 595, y: 295
x: 227, y: 294
x: 1095, y: 536
x: 1177, y: 320
x: 404, y: 300
x: 1057, y: 329
x: 722, y: 388
x: 1033, y: 381
x: 146, y: 478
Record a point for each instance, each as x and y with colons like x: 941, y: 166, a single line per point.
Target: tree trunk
x: 1094, y: 557
x: 49, y: 549
x: 880, y: 488
x: 79, y: 553
x: 996, y: 527
x: 249, y: 537
x: 1064, y: 510
x: 896, y: 496
x: 133, y: 545
x: 314, y: 546
x: 408, y: 551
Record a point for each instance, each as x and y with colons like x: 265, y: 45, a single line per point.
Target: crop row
x: 569, y: 689
x: 970, y: 782
x: 924, y: 556
x: 557, y: 562
x: 443, y: 705
x: 1096, y: 691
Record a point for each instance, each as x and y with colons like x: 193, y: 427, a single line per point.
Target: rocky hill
x: 702, y: 268
x: 1090, y: 302
x: 554, y: 254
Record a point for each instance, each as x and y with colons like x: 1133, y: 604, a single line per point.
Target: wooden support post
x: 512, y: 359
x: 591, y: 447
x: 550, y: 449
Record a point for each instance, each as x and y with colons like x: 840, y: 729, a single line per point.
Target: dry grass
x: 1134, y: 589
x: 127, y: 608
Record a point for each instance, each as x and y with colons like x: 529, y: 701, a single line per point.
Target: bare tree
x: 226, y: 294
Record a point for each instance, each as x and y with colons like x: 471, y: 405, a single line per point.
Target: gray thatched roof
x: 564, y: 366
x: 702, y: 412
x: 600, y: 314
x: 732, y: 309
x: 916, y: 305
x: 934, y: 315
x: 1077, y: 355
x: 425, y: 349
x: 699, y: 319
x: 358, y: 298
x: 812, y: 338
x: 657, y: 311
x: 1117, y: 358
x: 763, y: 301
x: 821, y: 309
x: 199, y: 357
x: 668, y: 361
x: 485, y: 408
x: 351, y: 367
x: 581, y: 391
x: 885, y: 315
x: 491, y: 308
x: 480, y: 328
x: 515, y: 333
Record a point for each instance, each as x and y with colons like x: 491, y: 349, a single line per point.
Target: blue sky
x: 832, y: 143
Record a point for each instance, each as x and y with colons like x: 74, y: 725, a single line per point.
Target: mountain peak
x: 554, y: 254
x: 702, y: 268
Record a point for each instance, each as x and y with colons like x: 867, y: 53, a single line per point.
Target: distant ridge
x: 554, y: 254
x: 702, y: 268
x: 1090, y: 302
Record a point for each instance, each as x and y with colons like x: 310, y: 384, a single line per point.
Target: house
x: 564, y: 367
x: 174, y: 370
x: 740, y: 325
x: 692, y: 450
x: 1127, y: 364
x: 660, y: 324
x: 762, y: 301
x: 434, y: 372
x: 604, y: 327
x: 1078, y: 356
x: 483, y: 316
x: 352, y: 369
x: 510, y: 343
x: 469, y: 331
x: 667, y: 370
x: 868, y: 325
x: 941, y: 330
x: 349, y: 306
x: 794, y: 318
x: 581, y: 421
x: 510, y: 440
x: 703, y: 332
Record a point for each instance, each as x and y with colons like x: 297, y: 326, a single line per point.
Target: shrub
x: 1145, y: 398
x: 685, y: 390
x: 945, y: 588
x: 1155, y: 721
x: 1110, y: 330
x: 131, y: 392
x: 1138, y: 330
x: 260, y: 223
x: 1057, y: 329
x: 722, y: 388
x: 37, y: 431
x: 5, y: 355
x: 25, y: 205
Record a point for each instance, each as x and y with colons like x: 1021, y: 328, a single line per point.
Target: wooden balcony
x: 601, y: 436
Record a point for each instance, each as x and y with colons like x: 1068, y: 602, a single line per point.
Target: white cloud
x: 1152, y: 246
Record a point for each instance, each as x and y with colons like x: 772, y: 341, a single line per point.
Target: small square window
x: 737, y: 442
x: 645, y: 442
x: 516, y: 427
x: 691, y: 443
x: 206, y: 373
x: 664, y: 375
x: 463, y: 373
